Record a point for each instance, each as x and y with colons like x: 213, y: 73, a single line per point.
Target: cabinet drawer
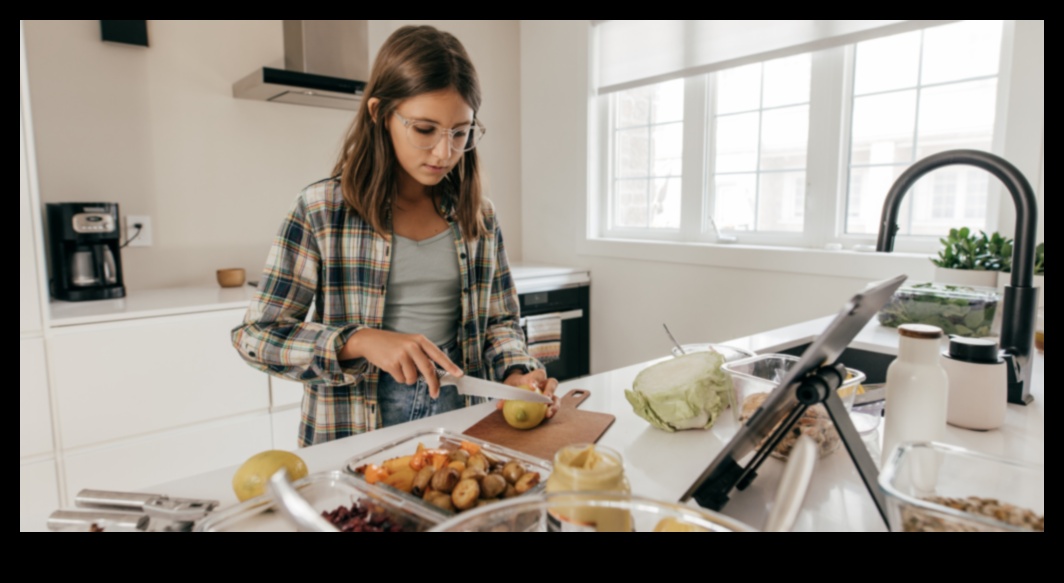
x: 34, y: 413
x: 285, y: 393
x: 38, y: 495
x: 286, y: 429
x: 129, y: 379
x: 140, y: 464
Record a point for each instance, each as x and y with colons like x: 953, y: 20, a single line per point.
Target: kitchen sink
x: 873, y: 364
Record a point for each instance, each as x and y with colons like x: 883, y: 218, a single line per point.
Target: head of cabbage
x: 689, y: 392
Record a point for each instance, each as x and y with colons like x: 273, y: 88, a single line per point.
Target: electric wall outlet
x: 144, y: 239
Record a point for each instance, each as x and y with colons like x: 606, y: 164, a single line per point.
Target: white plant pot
x: 962, y: 277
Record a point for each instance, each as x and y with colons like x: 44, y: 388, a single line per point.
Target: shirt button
x: 253, y: 355
x: 464, y: 256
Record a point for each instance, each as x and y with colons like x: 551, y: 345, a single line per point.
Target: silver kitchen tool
x: 673, y: 338
x: 295, y: 507
x: 162, y: 512
x: 793, y: 487
x: 101, y: 520
x: 473, y: 387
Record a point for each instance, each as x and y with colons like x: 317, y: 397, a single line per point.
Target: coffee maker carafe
x: 85, y: 252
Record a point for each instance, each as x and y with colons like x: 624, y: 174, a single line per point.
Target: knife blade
x: 474, y: 387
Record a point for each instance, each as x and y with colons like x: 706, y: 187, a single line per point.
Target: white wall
x: 632, y: 298
x: 158, y: 131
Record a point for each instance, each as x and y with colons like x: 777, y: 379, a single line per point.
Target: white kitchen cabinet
x: 35, y: 417
x: 29, y: 298
x: 286, y: 429
x: 138, y: 465
x: 285, y: 393
x: 38, y: 495
x: 128, y: 379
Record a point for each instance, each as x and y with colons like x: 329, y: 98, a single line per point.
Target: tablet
x: 752, y: 445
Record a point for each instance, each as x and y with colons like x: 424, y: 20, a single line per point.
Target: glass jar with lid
x: 588, y: 468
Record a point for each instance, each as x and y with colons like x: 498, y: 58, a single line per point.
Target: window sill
x: 851, y: 264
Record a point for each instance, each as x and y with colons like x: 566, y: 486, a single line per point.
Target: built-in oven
x: 556, y: 318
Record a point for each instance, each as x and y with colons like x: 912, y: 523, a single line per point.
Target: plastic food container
x: 958, y: 311
x: 756, y: 378
x: 940, y: 488
x: 533, y: 514
x: 730, y: 353
x: 326, y: 493
x: 440, y: 439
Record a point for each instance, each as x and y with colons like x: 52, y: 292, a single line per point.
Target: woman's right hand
x: 404, y: 356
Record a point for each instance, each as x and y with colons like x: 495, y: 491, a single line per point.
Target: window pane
x: 962, y: 51
x: 633, y: 153
x: 665, y: 204
x: 938, y: 199
x: 668, y: 102
x: 883, y: 127
x: 888, y: 64
x: 959, y: 116
x: 736, y: 202
x: 632, y: 107
x: 787, y: 81
x: 782, y: 206
x: 739, y: 89
x: 785, y: 138
x: 868, y: 192
x: 668, y: 150
x: 630, y: 204
x: 737, y: 139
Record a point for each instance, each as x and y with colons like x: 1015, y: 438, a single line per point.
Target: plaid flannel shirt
x: 327, y: 259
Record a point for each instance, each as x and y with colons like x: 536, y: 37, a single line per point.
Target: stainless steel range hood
x: 326, y: 64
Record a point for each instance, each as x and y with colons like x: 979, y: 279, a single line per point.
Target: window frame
x: 827, y: 171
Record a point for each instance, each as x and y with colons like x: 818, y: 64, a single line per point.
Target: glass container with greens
x: 958, y: 311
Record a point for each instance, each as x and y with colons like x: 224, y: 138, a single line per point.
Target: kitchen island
x: 663, y: 466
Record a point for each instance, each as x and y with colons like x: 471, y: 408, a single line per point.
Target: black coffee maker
x: 85, y: 252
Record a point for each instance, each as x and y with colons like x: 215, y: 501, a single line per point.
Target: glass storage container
x: 959, y: 311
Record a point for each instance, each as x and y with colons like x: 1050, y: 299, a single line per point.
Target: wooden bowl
x: 230, y: 278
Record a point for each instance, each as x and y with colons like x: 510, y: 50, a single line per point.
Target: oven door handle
x: 564, y: 316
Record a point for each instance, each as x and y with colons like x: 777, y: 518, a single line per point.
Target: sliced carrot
x: 440, y: 461
x: 375, y: 475
x: 472, y: 448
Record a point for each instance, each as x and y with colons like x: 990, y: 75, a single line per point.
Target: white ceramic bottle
x: 917, y: 390
x: 978, y: 384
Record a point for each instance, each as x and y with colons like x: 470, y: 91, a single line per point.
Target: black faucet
x: 1021, y: 297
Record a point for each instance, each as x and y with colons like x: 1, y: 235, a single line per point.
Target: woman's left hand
x: 538, y: 380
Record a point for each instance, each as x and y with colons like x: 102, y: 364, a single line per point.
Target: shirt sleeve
x: 276, y: 337
x: 505, y: 346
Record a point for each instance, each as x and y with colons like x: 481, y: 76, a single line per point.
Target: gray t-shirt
x: 424, y: 288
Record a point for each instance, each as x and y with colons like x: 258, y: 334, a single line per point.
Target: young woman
x: 399, y: 256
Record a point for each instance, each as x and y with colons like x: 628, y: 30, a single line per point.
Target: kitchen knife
x: 473, y: 387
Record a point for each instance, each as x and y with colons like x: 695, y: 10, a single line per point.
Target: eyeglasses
x: 426, y: 135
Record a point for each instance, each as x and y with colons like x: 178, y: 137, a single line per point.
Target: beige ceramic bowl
x: 229, y: 278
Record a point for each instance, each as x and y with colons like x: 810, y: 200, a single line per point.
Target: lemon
x: 251, y: 479
x: 674, y: 525
x: 524, y: 415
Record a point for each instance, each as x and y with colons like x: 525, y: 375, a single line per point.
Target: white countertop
x: 529, y: 278
x: 151, y: 304
x: 663, y: 466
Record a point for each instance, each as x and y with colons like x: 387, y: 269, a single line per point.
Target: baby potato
x: 511, y: 492
x: 441, y: 501
x: 492, y: 487
x: 460, y: 456
x: 465, y: 495
x: 445, y: 480
x: 513, y: 472
x: 527, y: 482
x: 422, y: 481
x: 472, y: 474
x: 478, y: 462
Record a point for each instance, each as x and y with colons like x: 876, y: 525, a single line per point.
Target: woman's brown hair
x: 413, y: 61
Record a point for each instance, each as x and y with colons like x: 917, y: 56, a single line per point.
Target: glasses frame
x: 440, y: 132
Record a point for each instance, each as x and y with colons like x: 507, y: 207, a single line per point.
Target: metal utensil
x: 295, y: 507
x: 473, y: 387
x: 674, y: 342
x: 793, y: 487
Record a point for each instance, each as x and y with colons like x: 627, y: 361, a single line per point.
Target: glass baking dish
x: 326, y: 492
x: 441, y: 439
x: 932, y: 487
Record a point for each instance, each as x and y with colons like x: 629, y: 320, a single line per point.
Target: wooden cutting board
x: 569, y: 426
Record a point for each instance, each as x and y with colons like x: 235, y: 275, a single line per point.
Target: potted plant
x: 966, y: 259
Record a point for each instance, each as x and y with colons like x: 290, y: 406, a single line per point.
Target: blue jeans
x: 400, y: 403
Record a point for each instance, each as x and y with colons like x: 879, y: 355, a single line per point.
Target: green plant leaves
x: 966, y: 251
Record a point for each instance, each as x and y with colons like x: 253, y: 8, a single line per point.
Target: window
x: 802, y: 150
